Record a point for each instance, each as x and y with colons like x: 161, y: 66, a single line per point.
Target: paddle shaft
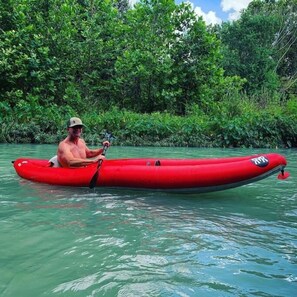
x: 95, y: 176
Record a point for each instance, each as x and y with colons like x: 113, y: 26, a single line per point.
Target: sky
x: 215, y: 11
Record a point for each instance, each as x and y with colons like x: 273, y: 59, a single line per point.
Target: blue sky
x: 216, y: 11
x: 209, y: 8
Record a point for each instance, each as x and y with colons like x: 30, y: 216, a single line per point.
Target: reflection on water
x: 63, y: 241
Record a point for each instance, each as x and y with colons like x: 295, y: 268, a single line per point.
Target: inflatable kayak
x: 190, y: 175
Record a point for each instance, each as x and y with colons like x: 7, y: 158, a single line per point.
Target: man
x: 73, y: 151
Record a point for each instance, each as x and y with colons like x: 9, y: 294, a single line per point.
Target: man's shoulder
x: 81, y: 140
x: 63, y: 142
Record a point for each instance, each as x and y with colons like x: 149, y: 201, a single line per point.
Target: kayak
x: 188, y: 175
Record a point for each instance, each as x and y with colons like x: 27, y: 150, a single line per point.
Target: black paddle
x: 95, y: 176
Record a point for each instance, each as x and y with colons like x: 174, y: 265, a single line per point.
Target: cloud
x: 209, y: 18
x: 132, y: 2
x: 234, y: 7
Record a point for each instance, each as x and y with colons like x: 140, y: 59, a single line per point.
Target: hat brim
x: 81, y: 125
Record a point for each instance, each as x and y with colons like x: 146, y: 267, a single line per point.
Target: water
x: 59, y: 241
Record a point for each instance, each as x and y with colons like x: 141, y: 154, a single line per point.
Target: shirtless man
x: 73, y: 151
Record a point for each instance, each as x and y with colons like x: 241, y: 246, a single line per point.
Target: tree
x: 169, y: 61
x: 98, y: 53
x: 247, y: 49
x: 122, y: 6
x: 261, y: 46
x: 285, y: 44
x: 25, y: 56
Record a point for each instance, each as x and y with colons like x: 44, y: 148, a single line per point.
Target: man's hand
x: 99, y: 157
x: 106, y: 143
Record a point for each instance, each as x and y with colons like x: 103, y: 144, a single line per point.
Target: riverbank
x: 224, y: 128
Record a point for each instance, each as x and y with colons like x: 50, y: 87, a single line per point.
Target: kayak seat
x: 158, y: 163
x: 53, y: 162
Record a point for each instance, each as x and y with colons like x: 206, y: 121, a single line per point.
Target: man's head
x: 75, y: 122
x: 74, y: 127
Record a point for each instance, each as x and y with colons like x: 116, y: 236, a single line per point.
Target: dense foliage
x: 261, y: 47
x: 154, y: 74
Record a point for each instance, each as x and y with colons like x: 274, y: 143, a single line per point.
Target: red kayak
x: 190, y: 175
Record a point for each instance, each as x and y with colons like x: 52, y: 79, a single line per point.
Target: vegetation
x: 154, y: 74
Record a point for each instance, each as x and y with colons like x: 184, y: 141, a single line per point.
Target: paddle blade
x: 95, y: 176
x: 94, y: 180
x: 283, y: 175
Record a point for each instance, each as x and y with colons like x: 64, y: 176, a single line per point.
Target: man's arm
x: 96, y: 152
x: 93, y: 153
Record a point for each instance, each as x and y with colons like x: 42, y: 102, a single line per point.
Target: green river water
x: 77, y: 242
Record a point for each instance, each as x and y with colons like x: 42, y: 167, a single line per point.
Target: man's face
x: 75, y: 131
